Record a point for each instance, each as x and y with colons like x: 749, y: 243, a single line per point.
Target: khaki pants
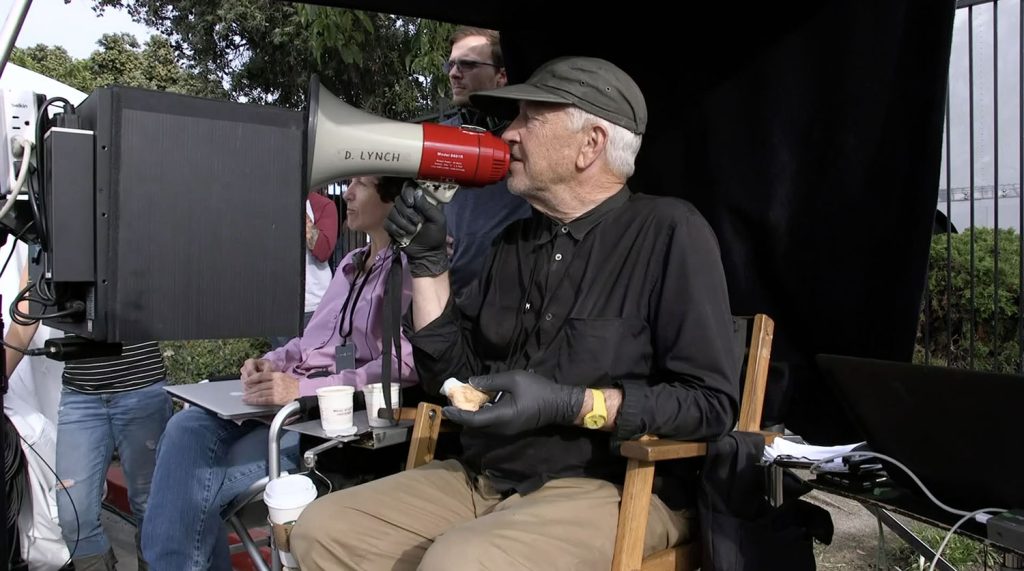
x: 435, y: 518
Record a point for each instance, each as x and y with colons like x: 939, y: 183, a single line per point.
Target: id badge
x: 344, y: 358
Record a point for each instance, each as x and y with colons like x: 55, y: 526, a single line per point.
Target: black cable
x: 44, y: 287
x: 46, y: 296
x: 78, y: 523
x: 46, y: 299
x: 27, y: 319
x: 112, y: 509
x: 14, y: 306
x: 34, y: 203
x: 25, y: 350
x: 43, y: 295
x: 351, y: 300
x: 44, y: 237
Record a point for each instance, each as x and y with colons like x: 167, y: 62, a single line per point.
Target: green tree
x: 56, y: 63
x: 119, y: 60
x: 265, y: 51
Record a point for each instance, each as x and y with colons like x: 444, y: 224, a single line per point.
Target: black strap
x: 391, y: 331
x: 352, y: 299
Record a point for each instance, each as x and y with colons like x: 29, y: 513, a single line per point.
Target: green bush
x: 191, y: 361
x: 947, y: 315
x: 961, y: 552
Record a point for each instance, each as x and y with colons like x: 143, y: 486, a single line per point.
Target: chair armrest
x: 406, y: 413
x: 653, y: 449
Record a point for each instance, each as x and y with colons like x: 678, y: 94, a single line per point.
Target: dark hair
x: 390, y: 187
x: 493, y: 39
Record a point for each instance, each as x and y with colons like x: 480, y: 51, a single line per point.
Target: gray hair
x: 623, y: 145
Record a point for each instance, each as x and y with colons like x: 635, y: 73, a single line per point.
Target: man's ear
x: 501, y: 80
x: 595, y: 140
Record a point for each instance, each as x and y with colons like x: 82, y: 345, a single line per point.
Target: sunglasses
x: 466, y: 65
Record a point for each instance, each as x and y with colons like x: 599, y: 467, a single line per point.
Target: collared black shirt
x: 630, y: 295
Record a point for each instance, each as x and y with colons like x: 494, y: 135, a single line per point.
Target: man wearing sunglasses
x: 476, y: 216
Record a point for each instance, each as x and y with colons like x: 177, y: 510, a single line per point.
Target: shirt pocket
x: 596, y: 351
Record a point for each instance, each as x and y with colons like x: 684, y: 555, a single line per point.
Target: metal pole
x: 911, y: 539
x: 775, y: 480
x: 970, y: 114
x: 274, y: 439
x: 15, y: 18
x: 995, y: 184
x: 1020, y: 185
x: 949, y: 229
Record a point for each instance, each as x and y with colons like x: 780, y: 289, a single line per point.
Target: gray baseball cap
x: 594, y: 85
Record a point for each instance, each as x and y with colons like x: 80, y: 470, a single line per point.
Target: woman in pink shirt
x: 204, y: 461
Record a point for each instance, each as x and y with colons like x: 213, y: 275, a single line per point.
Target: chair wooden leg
x: 424, y: 435
x: 684, y: 557
x: 633, y: 512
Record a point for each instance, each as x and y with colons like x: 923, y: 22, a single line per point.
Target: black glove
x: 527, y: 401
x: 420, y: 224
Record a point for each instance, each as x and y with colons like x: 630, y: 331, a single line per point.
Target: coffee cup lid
x: 289, y: 491
x: 335, y: 389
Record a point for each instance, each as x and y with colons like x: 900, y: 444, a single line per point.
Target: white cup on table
x: 374, y: 395
x: 336, y: 409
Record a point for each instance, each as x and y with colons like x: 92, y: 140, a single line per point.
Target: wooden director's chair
x: 642, y: 455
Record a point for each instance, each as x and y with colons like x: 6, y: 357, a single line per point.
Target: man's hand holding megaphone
x: 419, y: 223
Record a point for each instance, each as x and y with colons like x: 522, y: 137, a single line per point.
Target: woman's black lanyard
x: 353, y: 301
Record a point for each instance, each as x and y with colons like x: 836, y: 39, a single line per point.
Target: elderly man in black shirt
x: 602, y: 317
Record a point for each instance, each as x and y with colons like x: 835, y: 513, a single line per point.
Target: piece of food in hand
x: 464, y: 396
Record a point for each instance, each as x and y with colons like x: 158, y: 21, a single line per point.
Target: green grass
x: 961, y: 552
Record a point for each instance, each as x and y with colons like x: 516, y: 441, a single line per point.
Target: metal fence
x: 973, y: 309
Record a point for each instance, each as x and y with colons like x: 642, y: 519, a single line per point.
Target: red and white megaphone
x: 343, y: 141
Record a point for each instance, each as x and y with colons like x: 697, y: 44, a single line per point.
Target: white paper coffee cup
x: 335, y: 409
x: 374, y: 395
x: 286, y: 497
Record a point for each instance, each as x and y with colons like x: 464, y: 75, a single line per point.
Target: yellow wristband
x: 598, y: 414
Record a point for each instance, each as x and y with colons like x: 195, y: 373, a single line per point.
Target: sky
x: 991, y: 90
x: 74, y: 26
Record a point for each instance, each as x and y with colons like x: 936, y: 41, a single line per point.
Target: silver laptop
x: 223, y: 398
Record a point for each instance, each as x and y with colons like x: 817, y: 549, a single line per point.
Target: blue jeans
x: 89, y: 427
x: 203, y: 463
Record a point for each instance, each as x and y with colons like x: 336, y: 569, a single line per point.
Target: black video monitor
x: 175, y: 217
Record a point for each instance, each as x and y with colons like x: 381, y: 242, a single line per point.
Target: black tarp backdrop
x: 808, y: 133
